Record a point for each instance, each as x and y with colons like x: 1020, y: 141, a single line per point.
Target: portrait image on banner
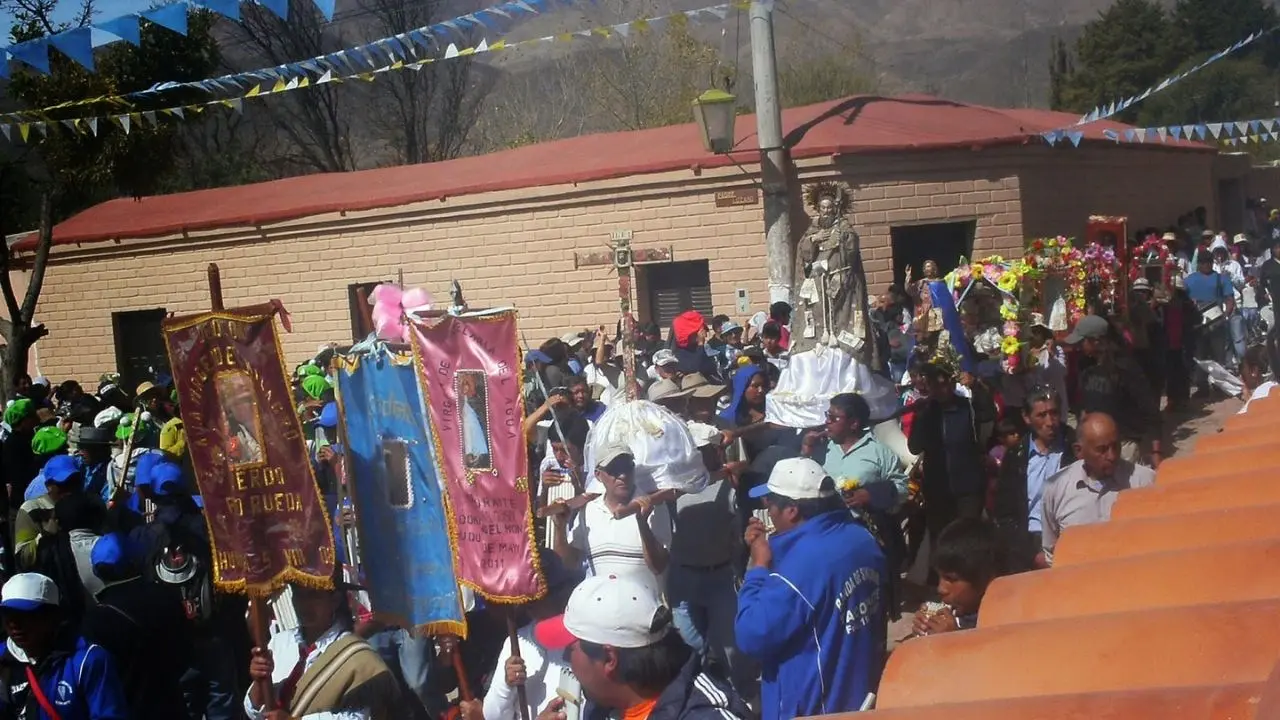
x: 267, y: 522
x: 405, y: 554
x: 469, y: 370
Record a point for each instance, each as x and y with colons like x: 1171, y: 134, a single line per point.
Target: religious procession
x: 722, y: 518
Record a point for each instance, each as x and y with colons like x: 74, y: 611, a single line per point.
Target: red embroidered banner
x: 267, y: 521
x: 469, y: 368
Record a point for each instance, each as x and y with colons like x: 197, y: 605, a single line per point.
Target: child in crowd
x: 968, y: 558
x: 1008, y: 433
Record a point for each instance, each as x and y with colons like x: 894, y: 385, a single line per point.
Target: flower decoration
x: 391, y: 305
x: 1153, y: 251
x: 1059, y: 257
x: 1010, y: 345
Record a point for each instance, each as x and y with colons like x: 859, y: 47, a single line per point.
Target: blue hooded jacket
x: 815, y: 620
x: 81, y: 684
x: 741, y: 380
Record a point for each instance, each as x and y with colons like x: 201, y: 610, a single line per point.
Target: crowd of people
x: 768, y: 594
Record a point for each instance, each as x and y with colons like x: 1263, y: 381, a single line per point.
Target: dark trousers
x: 1177, y: 377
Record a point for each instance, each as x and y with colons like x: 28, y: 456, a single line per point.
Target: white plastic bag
x: 667, y: 457
x: 812, y: 378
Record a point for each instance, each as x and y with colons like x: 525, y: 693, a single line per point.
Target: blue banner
x: 404, y: 539
x: 942, y: 299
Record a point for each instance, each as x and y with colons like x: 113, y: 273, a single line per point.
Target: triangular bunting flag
x: 1130, y: 135
x: 1163, y: 134
x: 1232, y: 142
x: 326, y: 77
x: 500, y: 45
x: 254, y: 91
x: 1215, y: 129
x: 71, y: 124
x: 622, y: 29
x: 24, y: 130
x: 126, y: 123
x: 125, y: 27
x: 76, y: 44
x: 1142, y: 134
x: 226, y: 8
x: 236, y: 104
x: 41, y: 128
x: 305, y: 81
x: 325, y: 7
x: 150, y: 116
x: 93, y: 126
x: 1075, y: 137
x: 641, y: 25
x: 34, y: 53
x: 172, y: 17
x: 1176, y: 132
x: 1200, y: 131
x: 451, y: 51
x: 1255, y: 126
x: 1243, y: 127
x: 1050, y: 137
x: 1187, y: 131
x: 292, y: 84
x: 279, y: 86
x: 483, y: 46
x: 5, y: 129
x: 280, y: 8
x: 1111, y: 135
x: 1269, y: 124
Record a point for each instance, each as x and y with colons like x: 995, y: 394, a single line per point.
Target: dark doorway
x: 1231, y: 206
x: 671, y: 288
x: 140, y: 350
x: 361, y: 311
x: 944, y: 243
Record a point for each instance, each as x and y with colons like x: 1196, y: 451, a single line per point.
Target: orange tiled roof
x: 860, y: 124
x: 1167, y: 611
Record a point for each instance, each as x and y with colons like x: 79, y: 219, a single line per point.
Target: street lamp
x: 715, y: 112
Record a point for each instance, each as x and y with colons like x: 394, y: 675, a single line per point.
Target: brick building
x: 931, y: 178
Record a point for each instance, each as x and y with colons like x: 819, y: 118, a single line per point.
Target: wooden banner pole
x: 257, y: 617
x: 521, y: 693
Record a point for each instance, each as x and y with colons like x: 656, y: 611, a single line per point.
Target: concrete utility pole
x: 773, y: 156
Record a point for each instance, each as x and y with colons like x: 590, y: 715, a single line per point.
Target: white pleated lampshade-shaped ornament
x: 666, y: 455
x: 812, y: 378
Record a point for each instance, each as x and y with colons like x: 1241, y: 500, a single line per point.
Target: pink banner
x: 469, y: 369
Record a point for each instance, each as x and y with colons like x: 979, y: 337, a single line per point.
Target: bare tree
x: 17, y: 325
x: 535, y: 103
x: 313, y: 126
x: 431, y: 109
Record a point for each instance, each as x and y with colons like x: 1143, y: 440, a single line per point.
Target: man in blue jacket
x: 47, y: 672
x: 811, y: 609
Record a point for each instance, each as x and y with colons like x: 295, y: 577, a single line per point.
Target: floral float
x: 1153, y: 251
x: 1059, y: 257
x: 1007, y: 277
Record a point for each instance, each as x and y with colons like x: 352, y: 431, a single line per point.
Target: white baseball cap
x: 608, y: 610
x: 796, y: 478
x: 26, y: 592
x: 665, y: 356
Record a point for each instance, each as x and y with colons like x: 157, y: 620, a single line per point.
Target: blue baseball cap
x: 328, y: 416
x: 61, y: 469
x: 167, y: 480
x: 143, y: 465
x: 108, y: 551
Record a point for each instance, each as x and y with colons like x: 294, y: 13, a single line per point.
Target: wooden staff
x: 257, y: 618
x: 515, y: 653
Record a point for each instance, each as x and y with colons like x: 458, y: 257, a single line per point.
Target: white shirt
x: 1261, y: 391
x: 285, y: 648
x: 543, y: 673
x: 612, y: 545
x: 611, y: 394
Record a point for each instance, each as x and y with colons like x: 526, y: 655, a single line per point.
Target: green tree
x: 1119, y: 54
x: 1202, y: 27
x: 70, y: 165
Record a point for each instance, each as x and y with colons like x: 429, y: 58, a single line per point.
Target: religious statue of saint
x: 833, y: 286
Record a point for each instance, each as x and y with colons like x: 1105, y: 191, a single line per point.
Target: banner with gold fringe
x: 469, y: 369
x: 267, y: 522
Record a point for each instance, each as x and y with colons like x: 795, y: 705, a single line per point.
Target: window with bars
x: 675, y: 287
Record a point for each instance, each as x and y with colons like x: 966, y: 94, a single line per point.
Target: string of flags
x: 1102, y: 112
x: 79, y: 43
x: 306, y: 77
x: 1232, y: 133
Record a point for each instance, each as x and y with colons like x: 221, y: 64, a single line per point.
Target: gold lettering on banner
x: 294, y: 557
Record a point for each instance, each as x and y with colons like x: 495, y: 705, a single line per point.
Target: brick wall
x: 517, y: 247
x: 1063, y: 186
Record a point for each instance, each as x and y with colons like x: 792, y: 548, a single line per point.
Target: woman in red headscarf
x: 688, y: 331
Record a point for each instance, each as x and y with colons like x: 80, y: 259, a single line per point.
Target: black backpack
x: 182, y: 562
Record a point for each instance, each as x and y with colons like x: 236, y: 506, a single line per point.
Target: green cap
x: 124, y: 427
x: 18, y: 410
x: 49, y: 440
x: 312, y: 370
x: 315, y: 386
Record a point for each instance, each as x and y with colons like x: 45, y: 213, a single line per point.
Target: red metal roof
x: 855, y: 124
